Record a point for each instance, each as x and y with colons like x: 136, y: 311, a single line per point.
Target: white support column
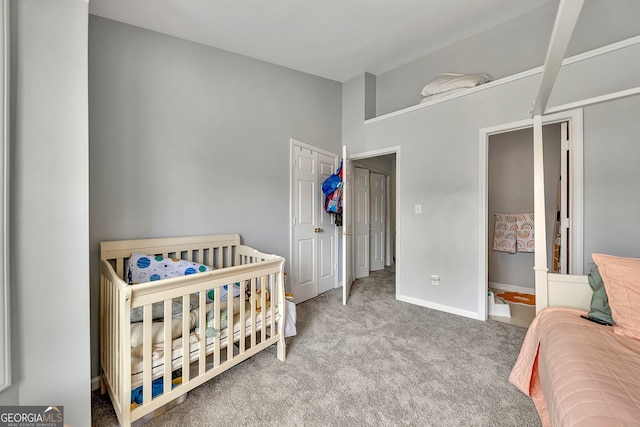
x: 566, y: 18
x: 540, y: 259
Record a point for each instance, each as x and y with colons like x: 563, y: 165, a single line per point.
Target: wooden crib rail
x: 145, y: 293
x: 212, y: 250
x: 123, y: 248
x: 249, y: 255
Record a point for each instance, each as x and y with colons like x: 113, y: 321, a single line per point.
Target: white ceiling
x: 335, y: 39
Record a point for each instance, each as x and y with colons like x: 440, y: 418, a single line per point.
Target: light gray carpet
x: 376, y: 361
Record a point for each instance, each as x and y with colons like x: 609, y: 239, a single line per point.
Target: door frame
x: 576, y: 184
x: 396, y: 234
x: 5, y: 176
x: 294, y: 142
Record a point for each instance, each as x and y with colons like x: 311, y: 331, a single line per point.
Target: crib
x: 190, y: 343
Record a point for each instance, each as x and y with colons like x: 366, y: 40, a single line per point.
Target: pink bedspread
x: 579, y: 373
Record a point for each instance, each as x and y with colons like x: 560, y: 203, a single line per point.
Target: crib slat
x: 186, y: 342
x: 202, y: 353
x: 216, y: 323
x: 263, y: 310
x: 116, y: 369
x: 168, y: 327
x: 243, y: 315
x: 229, y: 307
x: 116, y: 331
x: 273, y: 293
x: 219, y: 258
x: 208, y: 257
x: 252, y: 323
x: 146, y: 354
x: 266, y: 324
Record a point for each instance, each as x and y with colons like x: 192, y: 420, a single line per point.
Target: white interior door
x: 326, y: 232
x: 361, y: 222
x: 347, y: 225
x: 378, y: 221
x: 304, y: 265
x: 313, y: 262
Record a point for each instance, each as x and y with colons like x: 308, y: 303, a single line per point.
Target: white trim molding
x: 5, y: 341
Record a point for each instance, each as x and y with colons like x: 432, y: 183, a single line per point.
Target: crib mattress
x: 195, y: 338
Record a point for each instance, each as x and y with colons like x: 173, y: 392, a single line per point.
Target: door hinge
x: 566, y: 145
x: 294, y: 220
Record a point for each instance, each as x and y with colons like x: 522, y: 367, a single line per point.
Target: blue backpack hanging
x: 332, y: 189
x: 334, y: 181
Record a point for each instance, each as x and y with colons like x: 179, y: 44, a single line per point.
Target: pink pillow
x: 621, y: 277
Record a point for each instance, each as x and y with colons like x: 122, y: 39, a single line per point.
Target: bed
x: 162, y: 337
x: 582, y: 367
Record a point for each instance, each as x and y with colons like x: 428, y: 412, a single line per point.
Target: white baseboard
x: 439, y: 307
x: 512, y: 288
x: 95, y: 383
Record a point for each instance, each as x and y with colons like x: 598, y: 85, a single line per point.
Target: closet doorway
x: 510, y: 205
x: 507, y: 195
x: 314, y: 235
x: 374, y: 213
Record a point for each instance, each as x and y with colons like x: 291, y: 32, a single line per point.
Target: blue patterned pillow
x: 149, y: 268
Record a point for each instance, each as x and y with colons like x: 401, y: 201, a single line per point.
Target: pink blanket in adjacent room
x: 579, y: 373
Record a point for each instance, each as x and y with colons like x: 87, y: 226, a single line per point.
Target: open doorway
x: 507, y: 194
x: 510, y: 218
x: 374, y: 212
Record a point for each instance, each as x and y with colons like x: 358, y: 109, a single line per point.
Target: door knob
x: 318, y: 230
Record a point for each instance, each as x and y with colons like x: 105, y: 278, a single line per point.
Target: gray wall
x: 355, y: 95
x: 510, y: 188
x: 611, y: 194
x: 50, y: 208
x: 439, y: 168
x: 187, y: 139
x: 515, y: 46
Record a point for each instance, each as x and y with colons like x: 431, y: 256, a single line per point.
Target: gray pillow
x: 599, y: 301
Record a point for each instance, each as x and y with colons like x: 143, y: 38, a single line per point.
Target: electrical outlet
x: 435, y: 279
x: 418, y: 209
